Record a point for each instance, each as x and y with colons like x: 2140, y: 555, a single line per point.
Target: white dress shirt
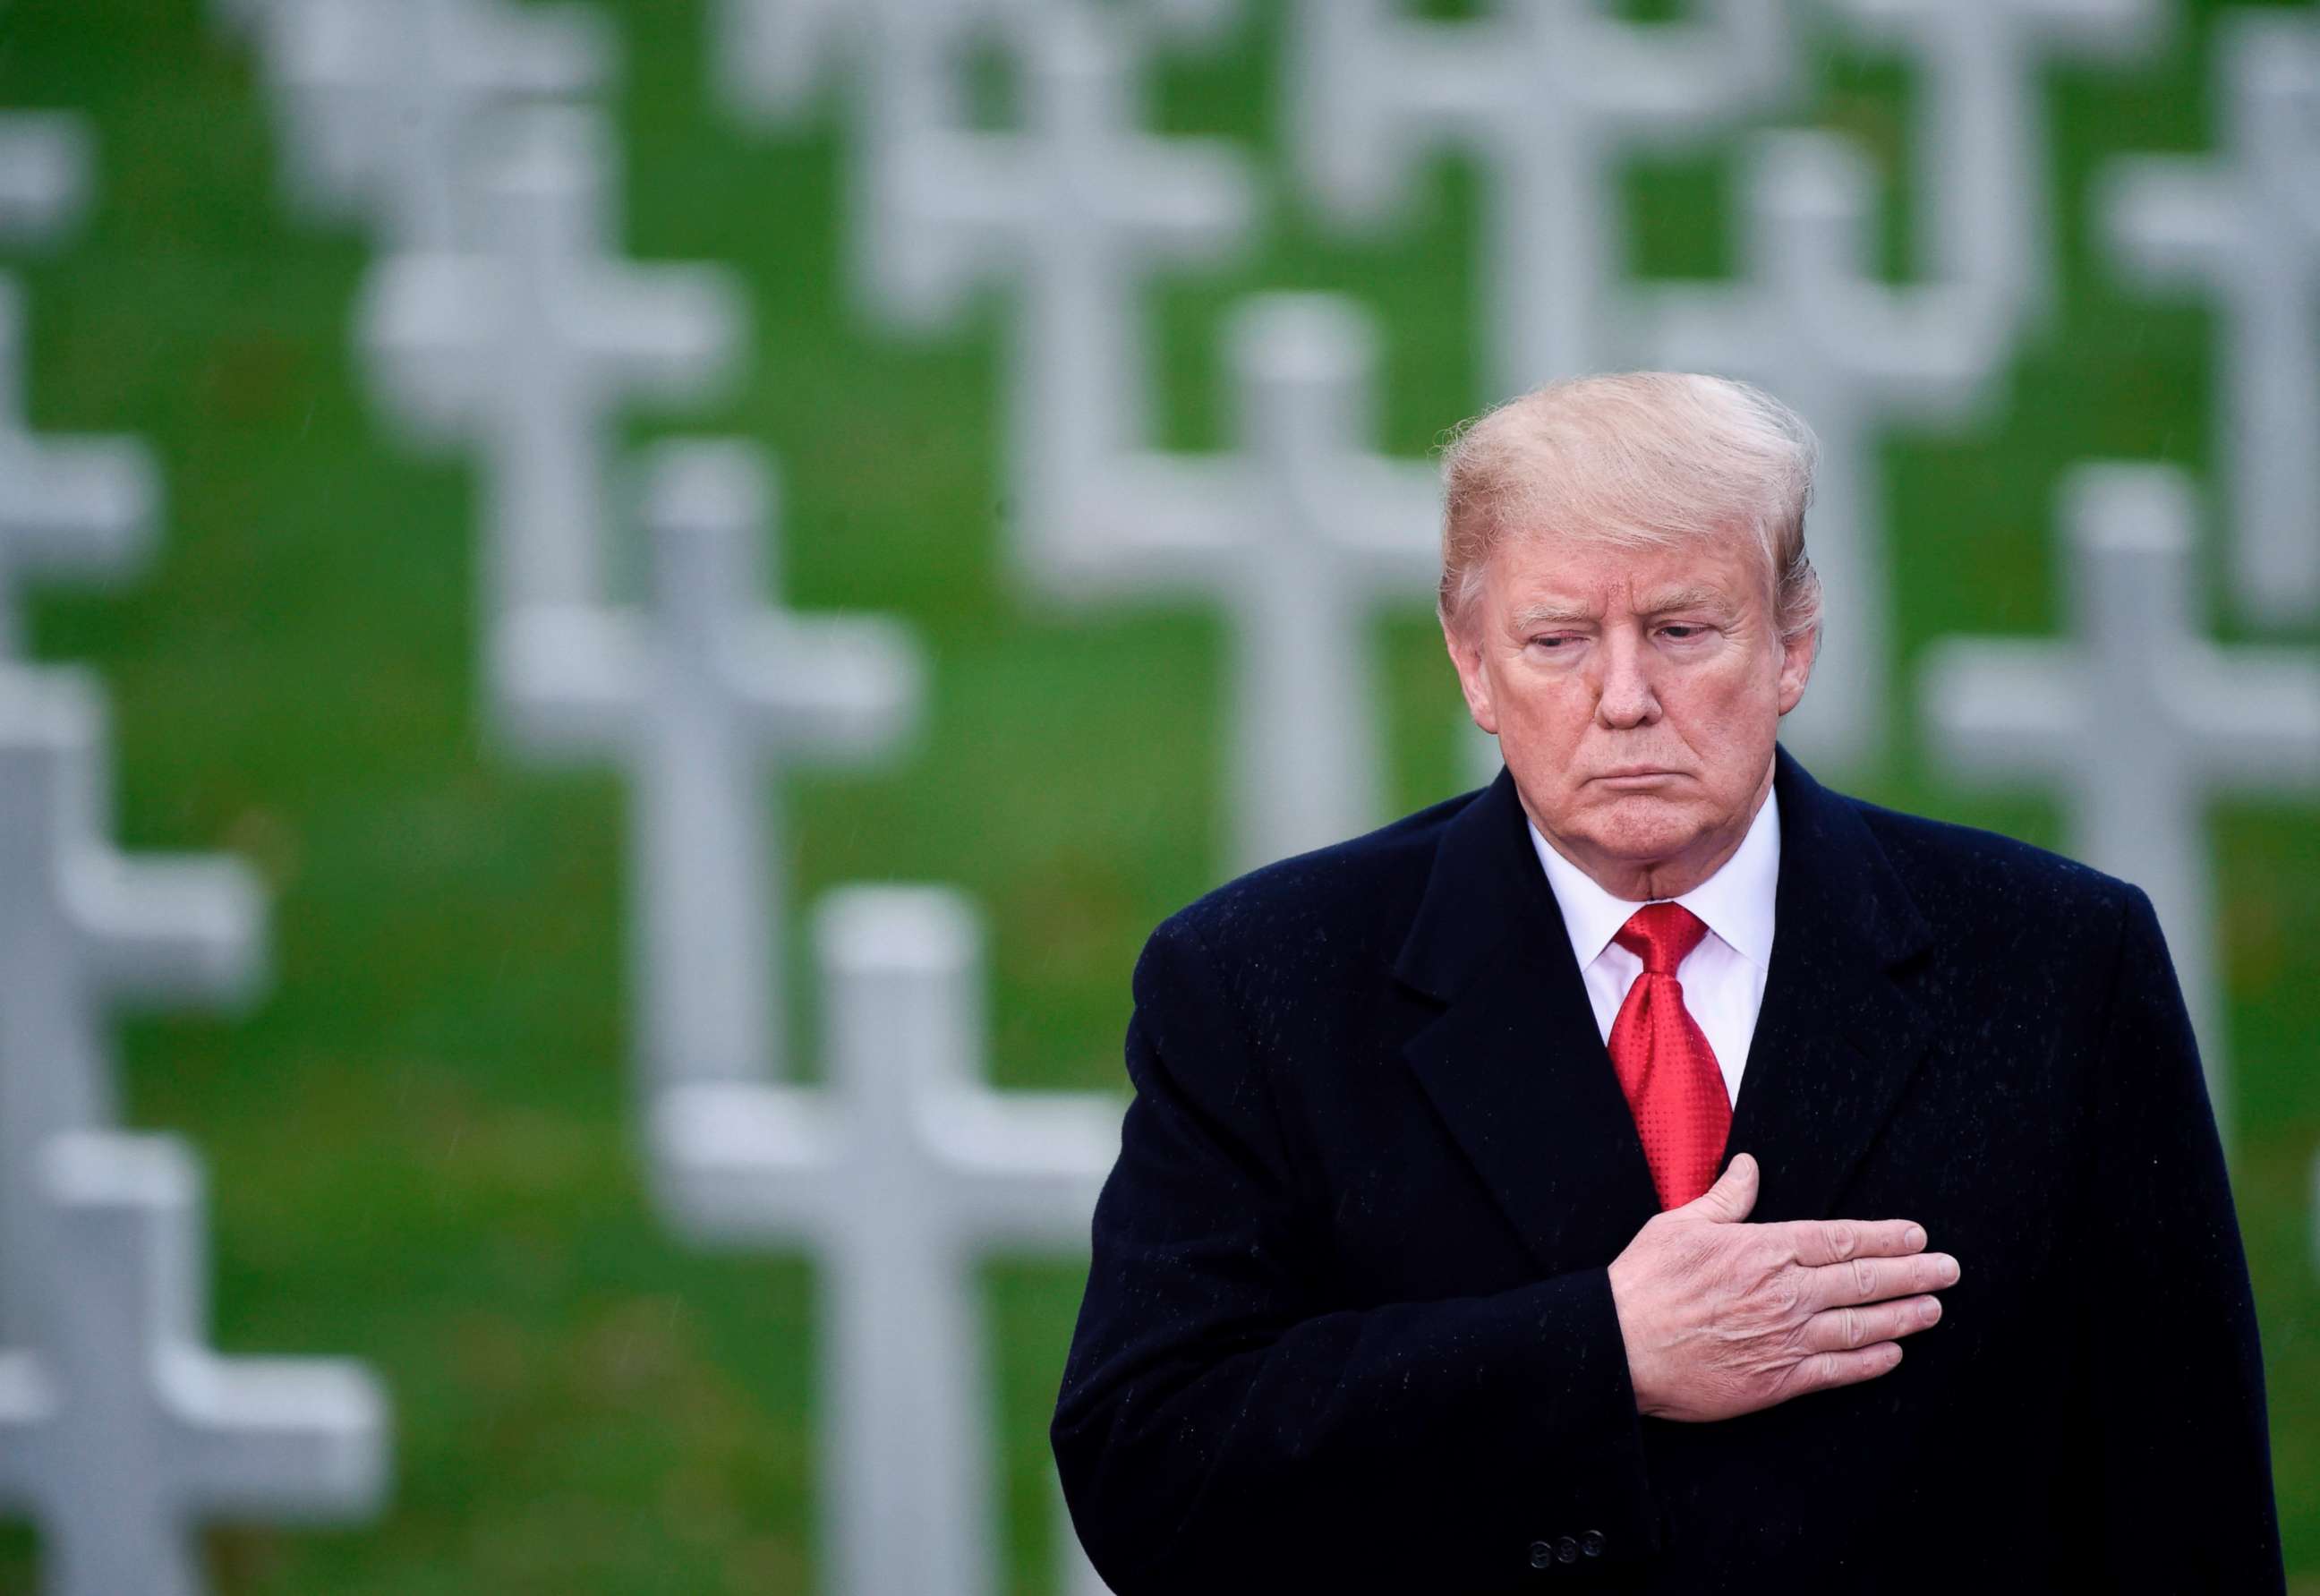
x: 1722, y: 977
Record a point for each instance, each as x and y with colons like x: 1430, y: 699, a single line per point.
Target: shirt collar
x: 1736, y: 903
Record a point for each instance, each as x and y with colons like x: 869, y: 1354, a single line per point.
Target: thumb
x: 1733, y: 1194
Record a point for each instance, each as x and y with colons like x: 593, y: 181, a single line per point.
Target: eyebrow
x: 1532, y: 616
x: 1687, y: 598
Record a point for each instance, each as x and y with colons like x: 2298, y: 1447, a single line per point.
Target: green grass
x: 421, y: 1147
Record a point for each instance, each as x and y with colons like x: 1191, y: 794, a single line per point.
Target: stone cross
x: 532, y: 344
x: 774, y: 56
x: 1074, y: 207
x: 121, y: 1432
x: 381, y: 100
x: 2140, y: 721
x: 81, y: 930
x: 2246, y: 225
x: 1546, y: 96
x: 1299, y: 536
x: 47, y: 163
x: 1811, y: 323
x: 899, y: 1174
x: 698, y: 695
x: 1981, y: 142
x: 85, y: 507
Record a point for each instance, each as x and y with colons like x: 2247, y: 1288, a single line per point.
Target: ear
x: 1797, y: 656
x: 1474, y: 681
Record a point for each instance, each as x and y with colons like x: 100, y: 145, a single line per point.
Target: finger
x: 1824, y: 1370
x: 1872, y: 1280
x: 1820, y: 1242
x: 1848, y: 1330
x: 1733, y: 1194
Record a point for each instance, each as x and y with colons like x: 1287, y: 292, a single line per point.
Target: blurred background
x: 423, y: 1136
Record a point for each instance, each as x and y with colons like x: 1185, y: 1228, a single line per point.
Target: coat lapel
x: 1514, y: 1065
x: 1839, y: 1033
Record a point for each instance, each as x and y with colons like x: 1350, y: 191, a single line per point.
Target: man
x: 1656, y: 1171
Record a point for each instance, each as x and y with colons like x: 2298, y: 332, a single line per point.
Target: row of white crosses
x: 2244, y: 225
x: 121, y: 1433
x: 2139, y: 721
x: 2142, y: 723
x: 1548, y: 94
x: 510, y: 324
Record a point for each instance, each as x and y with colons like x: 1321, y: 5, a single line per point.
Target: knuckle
x: 1864, y: 1279
x: 1785, y: 1293
x: 1843, y: 1241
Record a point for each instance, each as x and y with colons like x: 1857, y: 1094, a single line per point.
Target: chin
x: 1643, y: 826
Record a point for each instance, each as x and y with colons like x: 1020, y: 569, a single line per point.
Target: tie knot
x: 1662, y: 935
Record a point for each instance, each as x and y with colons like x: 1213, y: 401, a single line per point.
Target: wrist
x: 1633, y: 1343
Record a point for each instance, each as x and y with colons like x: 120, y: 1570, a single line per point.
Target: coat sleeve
x: 2183, y: 1450
x: 1222, y: 1427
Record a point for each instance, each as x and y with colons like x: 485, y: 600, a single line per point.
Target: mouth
x: 1637, y: 776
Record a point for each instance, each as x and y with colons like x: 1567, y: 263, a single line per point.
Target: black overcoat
x: 1348, y: 1326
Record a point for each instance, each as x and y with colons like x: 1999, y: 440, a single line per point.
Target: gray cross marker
x: 1810, y: 322
x: 82, y: 930
x: 774, y: 57
x: 1299, y: 536
x: 80, y: 506
x: 47, y: 160
x: 532, y: 345
x: 2246, y: 225
x: 698, y: 695
x: 1980, y: 144
x: 121, y: 1432
x: 899, y: 1174
x: 1546, y: 96
x: 1076, y: 208
x: 380, y: 100
x: 2139, y: 721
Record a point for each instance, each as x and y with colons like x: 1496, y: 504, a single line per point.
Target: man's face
x: 1635, y: 694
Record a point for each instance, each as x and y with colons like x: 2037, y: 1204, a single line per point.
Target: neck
x: 1638, y: 880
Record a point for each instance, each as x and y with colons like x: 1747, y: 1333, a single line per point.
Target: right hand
x: 1722, y: 1318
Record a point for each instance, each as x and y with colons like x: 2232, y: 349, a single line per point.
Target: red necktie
x: 1665, y: 1064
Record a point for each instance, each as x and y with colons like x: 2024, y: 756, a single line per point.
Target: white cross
x: 1546, y: 96
x: 2246, y: 225
x: 1299, y: 535
x: 697, y: 696
x: 1811, y: 323
x: 532, y: 344
x: 82, y: 928
x: 1077, y: 207
x: 83, y: 506
x: 46, y: 160
x: 121, y: 1432
x: 2140, y: 721
x: 381, y: 100
x: 774, y: 55
x: 899, y: 1173
x: 1981, y: 145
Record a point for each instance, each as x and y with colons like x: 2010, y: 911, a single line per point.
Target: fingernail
x: 1950, y: 1270
x: 1915, y: 1236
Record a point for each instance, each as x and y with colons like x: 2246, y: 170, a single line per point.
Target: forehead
x: 1593, y: 575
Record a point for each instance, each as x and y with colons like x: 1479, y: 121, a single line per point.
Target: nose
x: 1624, y: 695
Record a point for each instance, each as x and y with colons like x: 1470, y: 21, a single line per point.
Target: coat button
x: 1591, y: 1543
x: 1567, y: 1550
x: 1541, y: 1556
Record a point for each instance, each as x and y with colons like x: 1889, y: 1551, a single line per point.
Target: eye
x: 1683, y: 632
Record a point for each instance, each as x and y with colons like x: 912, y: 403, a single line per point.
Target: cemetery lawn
x: 420, y: 1147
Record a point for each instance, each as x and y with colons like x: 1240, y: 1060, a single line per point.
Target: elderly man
x: 1656, y: 1171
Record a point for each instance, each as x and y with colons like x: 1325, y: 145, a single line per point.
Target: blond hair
x: 1639, y: 459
